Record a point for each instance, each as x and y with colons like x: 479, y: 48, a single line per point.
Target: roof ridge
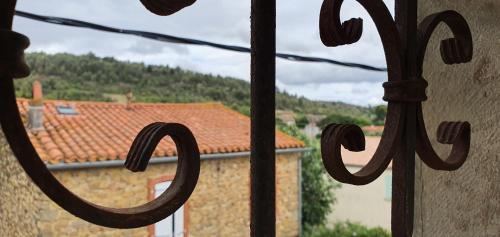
x: 118, y: 103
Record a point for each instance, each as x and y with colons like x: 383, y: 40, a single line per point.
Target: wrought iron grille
x: 405, y: 43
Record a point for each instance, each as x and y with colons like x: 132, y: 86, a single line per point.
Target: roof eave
x: 160, y: 160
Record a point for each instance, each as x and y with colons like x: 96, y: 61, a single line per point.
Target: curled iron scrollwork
x: 334, y: 33
x: 166, y: 7
x: 453, y: 51
x: 398, y: 92
x: 12, y: 65
x: 12, y: 54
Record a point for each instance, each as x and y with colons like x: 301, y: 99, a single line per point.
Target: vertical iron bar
x: 404, y: 162
x: 262, y: 159
x: 6, y: 14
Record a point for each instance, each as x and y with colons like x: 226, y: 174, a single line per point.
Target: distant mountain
x: 87, y: 77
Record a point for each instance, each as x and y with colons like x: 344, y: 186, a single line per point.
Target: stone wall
x: 465, y: 202
x: 19, y: 198
x: 219, y: 205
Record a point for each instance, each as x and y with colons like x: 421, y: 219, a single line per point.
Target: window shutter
x: 388, y: 187
x: 179, y: 222
x: 172, y: 226
x: 165, y: 226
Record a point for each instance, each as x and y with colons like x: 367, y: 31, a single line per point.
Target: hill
x: 87, y: 77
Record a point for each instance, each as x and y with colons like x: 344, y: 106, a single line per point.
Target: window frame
x: 151, y: 196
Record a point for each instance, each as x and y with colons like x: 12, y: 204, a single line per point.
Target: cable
x: 181, y: 40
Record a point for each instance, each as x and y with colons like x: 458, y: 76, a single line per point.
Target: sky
x: 221, y: 21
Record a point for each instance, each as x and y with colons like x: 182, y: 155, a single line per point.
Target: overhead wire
x: 189, y: 41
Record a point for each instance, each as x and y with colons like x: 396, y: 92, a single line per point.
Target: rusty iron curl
x: 335, y: 33
x: 453, y: 51
x: 399, y: 93
x: 12, y: 65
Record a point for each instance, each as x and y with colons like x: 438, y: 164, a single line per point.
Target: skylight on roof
x: 66, y: 110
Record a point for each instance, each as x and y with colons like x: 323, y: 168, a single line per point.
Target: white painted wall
x: 365, y: 204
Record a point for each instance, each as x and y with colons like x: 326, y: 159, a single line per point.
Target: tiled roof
x: 360, y: 159
x: 373, y: 128
x: 104, y: 131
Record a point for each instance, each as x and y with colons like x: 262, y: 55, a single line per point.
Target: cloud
x: 353, y: 93
x: 224, y: 21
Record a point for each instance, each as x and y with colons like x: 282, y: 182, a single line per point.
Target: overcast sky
x: 222, y: 21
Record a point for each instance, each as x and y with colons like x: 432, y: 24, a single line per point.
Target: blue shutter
x: 388, y: 187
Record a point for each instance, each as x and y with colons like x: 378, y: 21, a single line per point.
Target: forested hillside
x: 87, y: 77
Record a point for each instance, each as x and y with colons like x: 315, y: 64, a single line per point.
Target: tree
x: 348, y: 229
x: 317, y: 195
x: 379, y: 113
x: 88, y: 77
x: 342, y: 119
x: 301, y: 121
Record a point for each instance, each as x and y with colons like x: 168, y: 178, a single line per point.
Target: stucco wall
x: 365, y: 204
x: 219, y: 205
x: 18, y: 197
x: 466, y: 202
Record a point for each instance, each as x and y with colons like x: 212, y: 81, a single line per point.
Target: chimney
x: 35, y: 108
x: 129, y: 96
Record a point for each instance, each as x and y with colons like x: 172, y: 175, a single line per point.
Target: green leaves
x: 317, y: 188
x: 343, y: 119
x: 379, y: 113
x: 88, y: 77
x: 301, y: 121
x: 347, y: 229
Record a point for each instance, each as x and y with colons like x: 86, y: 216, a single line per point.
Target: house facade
x: 369, y: 204
x: 85, y: 144
x: 219, y: 206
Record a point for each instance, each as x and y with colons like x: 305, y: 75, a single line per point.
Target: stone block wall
x: 219, y: 206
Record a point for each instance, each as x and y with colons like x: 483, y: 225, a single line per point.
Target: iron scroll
x: 12, y: 65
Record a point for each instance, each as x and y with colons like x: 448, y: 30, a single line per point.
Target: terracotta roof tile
x: 360, y: 159
x: 104, y: 131
x: 373, y: 128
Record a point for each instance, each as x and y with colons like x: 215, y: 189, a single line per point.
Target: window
x: 388, y: 187
x: 66, y: 110
x: 172, y: 226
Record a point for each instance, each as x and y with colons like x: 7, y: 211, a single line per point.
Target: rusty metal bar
x: 7, y: 14
x: 404, y: 46
x: 263, y: 89
x: 12, y: 65
x: 404, y: 134
x: 403, y: 179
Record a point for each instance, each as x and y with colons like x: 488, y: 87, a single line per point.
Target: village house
x: 85, y: 144
x: 369, y: 204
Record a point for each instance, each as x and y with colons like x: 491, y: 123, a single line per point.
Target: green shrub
x: 317, y: 195
x: 301, y: 121
x: 342, y: 119
x: 379, y: 113
x: 88, y: 77
x: 347, y: 229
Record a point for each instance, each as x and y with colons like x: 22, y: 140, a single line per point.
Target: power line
x: 182, y: 40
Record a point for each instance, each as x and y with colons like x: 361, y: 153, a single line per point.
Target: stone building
x: 84, y: 144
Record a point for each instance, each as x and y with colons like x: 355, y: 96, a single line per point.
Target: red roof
x: 373, y: 128
x: 361, y: 158
x: 104, y: 131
